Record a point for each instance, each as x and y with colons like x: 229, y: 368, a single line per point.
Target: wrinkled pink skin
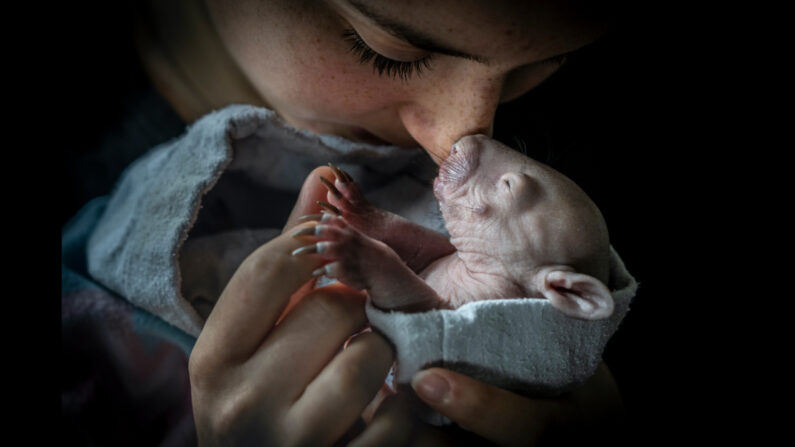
x: 517, y: 229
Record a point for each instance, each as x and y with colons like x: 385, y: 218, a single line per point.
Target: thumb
x: 312, y: 191
x: 490, y: 412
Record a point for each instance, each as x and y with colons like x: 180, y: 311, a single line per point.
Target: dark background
x: 622, y: 120
x: 638, y: 120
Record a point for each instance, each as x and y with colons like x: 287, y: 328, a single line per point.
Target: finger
x: 375, y: 404
x: 253, y: 299
x: 395, y: 423
x: 511, y: 419
x: 392, y: 424
x: 307, y: 339
x: 311, y: 192
x: 339, y: 394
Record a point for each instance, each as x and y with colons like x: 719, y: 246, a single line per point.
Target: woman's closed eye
x: 382, y: 64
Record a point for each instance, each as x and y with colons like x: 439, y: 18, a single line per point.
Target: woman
x: 379, y: 72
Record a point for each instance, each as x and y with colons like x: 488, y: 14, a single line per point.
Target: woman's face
x: 405, y: 73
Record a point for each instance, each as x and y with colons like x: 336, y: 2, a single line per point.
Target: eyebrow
x: 414, y: 37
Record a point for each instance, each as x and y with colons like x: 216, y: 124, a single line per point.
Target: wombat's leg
x: 362, y: 262
x: 416, y: 245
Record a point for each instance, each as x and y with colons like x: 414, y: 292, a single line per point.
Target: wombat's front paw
x: 345, y: 198
x: 349, y: 252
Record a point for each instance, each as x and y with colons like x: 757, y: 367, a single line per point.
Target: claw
x: 329, y: 207
x: 309, y: 217
x: 333, y: 189
x: 348, y: 178
x: 327, y: 217
x: 306, y: 249
x: 338, y: 173
x: 319, y: 272
x: 306, y: 231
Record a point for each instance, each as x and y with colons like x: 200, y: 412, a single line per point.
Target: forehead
x: 530, y: 29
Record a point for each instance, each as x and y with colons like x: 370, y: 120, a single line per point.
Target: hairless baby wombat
x: 518, y: 228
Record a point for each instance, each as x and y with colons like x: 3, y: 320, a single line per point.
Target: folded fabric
x: 182, y: 217
x: 523, y: 344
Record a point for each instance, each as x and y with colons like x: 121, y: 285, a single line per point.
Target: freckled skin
x: 510, y: 218
x: 293, y: 55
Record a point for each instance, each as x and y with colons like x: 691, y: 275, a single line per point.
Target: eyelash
x: 382, y: 64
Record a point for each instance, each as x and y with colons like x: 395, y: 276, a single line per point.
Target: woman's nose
x: 440, y: 115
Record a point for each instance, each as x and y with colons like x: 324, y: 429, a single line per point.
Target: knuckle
x: 229, y: 413
x: 264, y: 261
x: 200, y: 369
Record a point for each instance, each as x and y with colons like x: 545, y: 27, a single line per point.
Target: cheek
x: 333, y: 86
x: 525, y: 79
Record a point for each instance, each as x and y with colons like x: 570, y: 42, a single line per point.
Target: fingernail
x: 430, y: 387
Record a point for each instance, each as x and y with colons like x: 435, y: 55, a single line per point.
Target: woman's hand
x: 489, y: 415
x: 256, y: 382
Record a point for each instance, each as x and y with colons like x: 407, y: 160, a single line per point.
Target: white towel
x: 521, y: 343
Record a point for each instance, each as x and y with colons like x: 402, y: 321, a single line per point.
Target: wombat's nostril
x: 468, y: 144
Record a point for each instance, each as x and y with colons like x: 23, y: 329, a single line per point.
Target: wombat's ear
x: 578, y: 295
